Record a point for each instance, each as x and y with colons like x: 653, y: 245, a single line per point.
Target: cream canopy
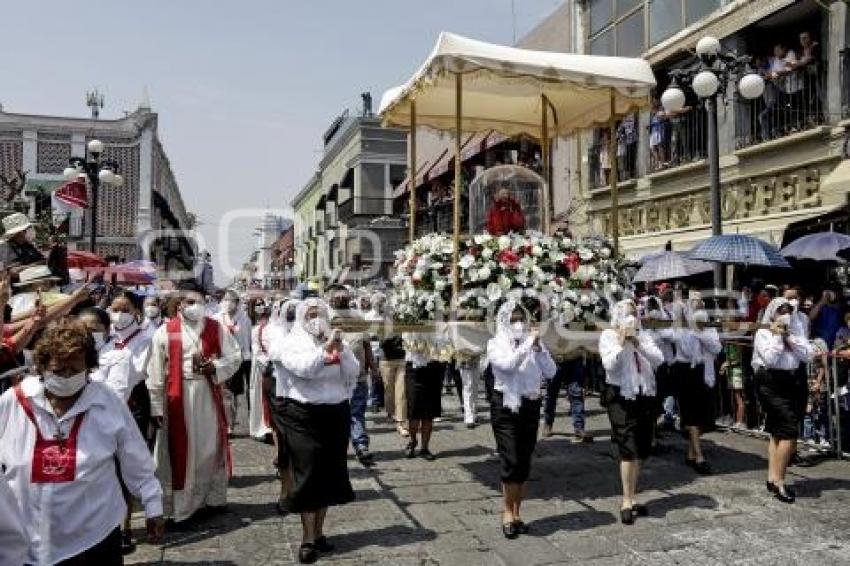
x: 503, y: 88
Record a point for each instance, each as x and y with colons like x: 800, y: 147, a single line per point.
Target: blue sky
x: 244, y: 89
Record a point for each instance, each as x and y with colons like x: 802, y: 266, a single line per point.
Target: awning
x: 347, y: 181
x: 332, y: 193
x: 503, y: 87
x: 447, y: 157
x: 321, y: 204
x: 420, y: 175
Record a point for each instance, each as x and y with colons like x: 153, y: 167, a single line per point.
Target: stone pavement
x: 447, y: 512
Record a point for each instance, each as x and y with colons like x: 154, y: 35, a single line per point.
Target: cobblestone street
x: 447, y: 512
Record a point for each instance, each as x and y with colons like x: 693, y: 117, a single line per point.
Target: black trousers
x: 105, y: 553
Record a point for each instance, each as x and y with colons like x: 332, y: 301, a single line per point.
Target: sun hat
x: 15, y: 223
x: 35, y: 274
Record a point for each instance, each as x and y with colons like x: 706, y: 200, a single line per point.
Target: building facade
x: 343, y: 214
x: 782, y: 157
x: 146, y: 217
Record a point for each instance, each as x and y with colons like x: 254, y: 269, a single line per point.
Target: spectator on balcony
x: 604, y: 159
x: 788, y: 82
x: 626, y: 147
x: 806, y: 68
x: 657, y: 135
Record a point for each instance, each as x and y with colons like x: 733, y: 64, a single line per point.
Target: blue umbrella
x: 822, y: 246
x: 669, y: 265
x: 738, y: 249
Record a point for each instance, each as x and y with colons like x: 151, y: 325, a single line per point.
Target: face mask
x: 518, y: 330
x: 99, y: 340
x: 152, y: 311
x: 121, y: 320
x: 193, y: 313
x: 700, y: 316
x: 65, y: 386
x: 317, y: 327
x: 784, y: 319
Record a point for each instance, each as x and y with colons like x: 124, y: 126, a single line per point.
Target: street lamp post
x: 709, y: 77
x: 96, y: 171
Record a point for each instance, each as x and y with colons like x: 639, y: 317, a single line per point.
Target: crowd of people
x: 116, y: 401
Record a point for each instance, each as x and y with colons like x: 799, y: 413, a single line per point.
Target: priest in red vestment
x: 505, y: 214
x: 191, y: 356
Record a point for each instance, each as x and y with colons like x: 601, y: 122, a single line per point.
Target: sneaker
x: 824, y: 443
x: 426, y: 455
x: 364, y: 457
x: 402, y: 430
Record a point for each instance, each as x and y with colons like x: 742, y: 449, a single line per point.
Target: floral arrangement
x: 576, y: 278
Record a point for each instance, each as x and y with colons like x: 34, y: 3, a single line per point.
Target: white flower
x: 440, y: 284
x: 484, y: 274
x: 585, y: 254
x: 472, y: 274
x: 481, y: 239
x: 486, y: 253
x: 584, y: 300
x: 494, y: 292
x: 537, y: 251
x: 482, y: 302
x: 504, y: 242
x: 568, y: 313
x: 605, y: 253
x: 505, y: 282
x: 466, y: 261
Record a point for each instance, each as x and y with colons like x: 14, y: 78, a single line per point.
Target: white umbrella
x: 823, y: 246
x: 669, y: 265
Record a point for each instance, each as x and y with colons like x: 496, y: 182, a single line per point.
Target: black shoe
x: 470, y: 426
x: 639, y: 510
x: 322, y: 545
x: 703, y: 468
x: 510, y: 531
x: 521, y: 527
x: 690, y: 462
x: 784, y: 495
x: 426, y: 454
x: 627, y: 516
x: 771, y: 487
x: 410, y: 451
x: 307, y: 554
x: 128, y: 546
x: 281, y: 508
x: 364, y: 457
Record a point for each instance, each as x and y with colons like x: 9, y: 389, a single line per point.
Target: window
x: 603, y: 44
x: 626, y: 6
x: 665, y: 19
x: 630, y: 35
x: 695, y: 10
x: 601, y: 14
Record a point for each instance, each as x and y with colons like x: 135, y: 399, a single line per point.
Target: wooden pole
x: 544, y: 154
x: 612, y: 159
x: 458, y: 183
x: 412, y: 171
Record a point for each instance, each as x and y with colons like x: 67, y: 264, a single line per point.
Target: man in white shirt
x: 236, y: 322
x: 191, y: 357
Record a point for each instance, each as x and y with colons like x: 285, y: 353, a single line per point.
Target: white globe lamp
x: 70, y: 173
x: 95, y: 146
x: 106, y: 176
x: 673, y: 99
x: 708, y: 46
x: 751, y: 86
x: 705, y: 84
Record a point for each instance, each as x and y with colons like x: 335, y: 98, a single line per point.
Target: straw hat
x: 35, y: 274
x: 15, y: 223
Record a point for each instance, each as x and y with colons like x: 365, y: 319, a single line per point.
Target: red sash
x: 267, y: 417
x: 53, y: 461
x: 178, y: 437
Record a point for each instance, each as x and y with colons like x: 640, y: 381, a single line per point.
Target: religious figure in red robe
x: 505, y: 214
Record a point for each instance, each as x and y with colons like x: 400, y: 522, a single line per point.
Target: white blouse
x: 64, y: 519
x: 517, y: 369
x: 303, y: 376
x: 241, y: 331
x: 630, y: 368
x: 770, y: 351
x: 122, y: 368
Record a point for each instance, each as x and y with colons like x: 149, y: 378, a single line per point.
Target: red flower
x: 572, y: 262
x: 508, y: 257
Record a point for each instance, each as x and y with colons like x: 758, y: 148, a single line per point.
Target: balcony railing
x: 362, y: 208
x: 845, y: 83
x: 599, y: 160
x: 791, y: 103
x: 676, y: 139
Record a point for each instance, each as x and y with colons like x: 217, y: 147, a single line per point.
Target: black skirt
x: 139, y: 404
x: 516, y: 436
x: 665, y: 386
x: 632, y: 423
x: 237, y: 383
x: 779, y: 395
x: 424, y: 388
x: 696, y: 403
x: 316, y: 438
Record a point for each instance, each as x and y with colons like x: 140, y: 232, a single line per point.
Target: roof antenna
x: 513, y: 18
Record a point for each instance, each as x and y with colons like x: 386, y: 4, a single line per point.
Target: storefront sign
x: 742, y: 199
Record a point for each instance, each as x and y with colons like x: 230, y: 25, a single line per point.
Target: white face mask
x: 152, y: 311
x: 65, y: 386
x: 121, y: 320
x: 784, y: 319
x: 518, y: 330
x: 317, y: 327
x: 701, y: 316
x: 194, y: 312
x: 99, y: 339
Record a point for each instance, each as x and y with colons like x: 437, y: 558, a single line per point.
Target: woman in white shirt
x: 697, y: 346
x: 259, y: 419
x: 630, y: 358
x: 778, y: 352
x: 519, y: 362
x: 316, y: 375
x: 61, y: 436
